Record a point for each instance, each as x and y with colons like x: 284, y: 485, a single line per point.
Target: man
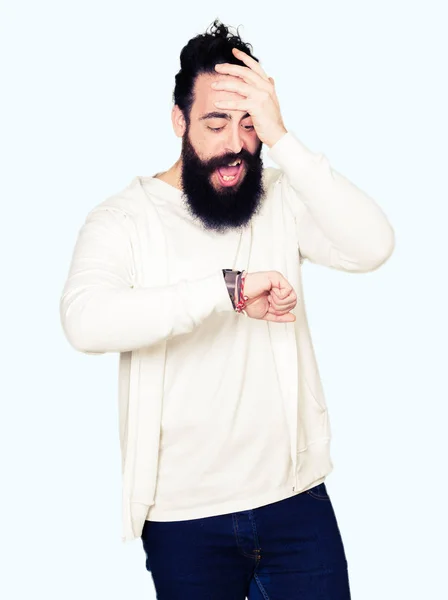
x: 194, y: 276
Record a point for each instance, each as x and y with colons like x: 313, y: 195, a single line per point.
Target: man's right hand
x: 271, y: 297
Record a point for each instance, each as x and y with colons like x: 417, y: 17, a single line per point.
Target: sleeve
x: 101, y: 310
x: 338, y: 225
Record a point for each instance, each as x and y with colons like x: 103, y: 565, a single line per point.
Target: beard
x: 230, y: 206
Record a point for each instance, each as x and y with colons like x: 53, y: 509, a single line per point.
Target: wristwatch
x: 230, y: 276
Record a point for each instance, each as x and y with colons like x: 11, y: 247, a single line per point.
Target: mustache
x: 222, y: 161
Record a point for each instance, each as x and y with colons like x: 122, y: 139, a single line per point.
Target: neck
x: 173, y: 175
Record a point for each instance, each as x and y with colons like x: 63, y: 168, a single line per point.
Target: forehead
x: 205, y: 96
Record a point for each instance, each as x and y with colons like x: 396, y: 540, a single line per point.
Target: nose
x: 234, y: 143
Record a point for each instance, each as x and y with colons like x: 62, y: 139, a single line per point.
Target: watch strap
x: 230, y: 277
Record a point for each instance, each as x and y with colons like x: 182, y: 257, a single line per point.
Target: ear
x: 178, y: 120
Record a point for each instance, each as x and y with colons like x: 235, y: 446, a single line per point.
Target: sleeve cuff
x: 215, y: 289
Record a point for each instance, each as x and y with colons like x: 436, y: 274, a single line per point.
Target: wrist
x: 275, y: 137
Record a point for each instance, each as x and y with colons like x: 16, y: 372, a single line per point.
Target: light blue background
x: 85, y: 106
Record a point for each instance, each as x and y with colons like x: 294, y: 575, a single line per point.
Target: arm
x: 101, y: 311
x: 338, y: 225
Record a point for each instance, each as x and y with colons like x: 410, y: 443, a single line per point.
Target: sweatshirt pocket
x: 317, y: 397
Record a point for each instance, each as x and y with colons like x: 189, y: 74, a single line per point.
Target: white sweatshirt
x: 224, y: 443
x: 119, y: 297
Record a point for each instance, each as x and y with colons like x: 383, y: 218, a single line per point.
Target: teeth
x: 235, y: 163
x: 228, y: 177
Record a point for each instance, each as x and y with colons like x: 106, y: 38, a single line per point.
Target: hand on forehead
x: 205, y: 95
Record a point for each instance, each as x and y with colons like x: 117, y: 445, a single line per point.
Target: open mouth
x: 230, y: 174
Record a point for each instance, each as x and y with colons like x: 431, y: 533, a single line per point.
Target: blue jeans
x: 287, y: 550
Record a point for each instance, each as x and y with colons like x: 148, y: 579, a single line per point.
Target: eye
x: 216, y: 128
x: 249, y: 127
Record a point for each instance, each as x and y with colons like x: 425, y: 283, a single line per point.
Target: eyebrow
x: 219, y: 115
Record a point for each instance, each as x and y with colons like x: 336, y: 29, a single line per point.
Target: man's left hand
x: 258, y: 96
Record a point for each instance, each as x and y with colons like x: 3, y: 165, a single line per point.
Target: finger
x: 282, y: 293
x: 246, y: 74
x: 279, y: 283
x: 287, y: 307
x: 250, y: 62
x: 272, y: 311
x: 282, y: 300
x: 232, y: 84
x: 282, y: 308
x: 280, y: 311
